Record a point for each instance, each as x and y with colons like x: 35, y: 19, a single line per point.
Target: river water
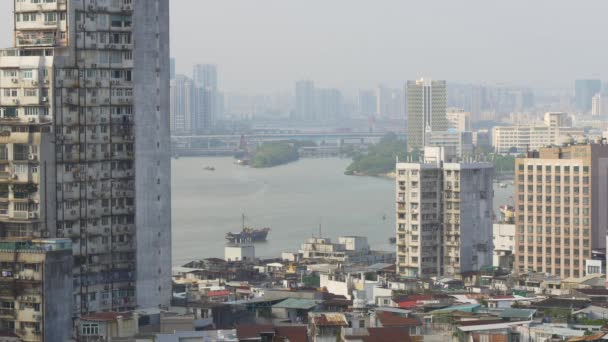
x: 293, y: 199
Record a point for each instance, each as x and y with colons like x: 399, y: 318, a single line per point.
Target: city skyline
x: 505, y: 44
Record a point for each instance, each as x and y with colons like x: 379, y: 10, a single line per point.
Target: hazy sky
x: 264, y: 45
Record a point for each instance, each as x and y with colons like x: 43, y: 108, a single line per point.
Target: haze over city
x: 263, y: 46
x: 303, y: 171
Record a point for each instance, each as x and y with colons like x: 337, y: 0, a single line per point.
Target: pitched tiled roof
x: 329, y: 319
x: 250, y: 331
x: 293, y: 333
x: 389, y: 319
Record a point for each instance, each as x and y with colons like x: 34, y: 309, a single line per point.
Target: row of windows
x: 26, y: 92
x: 547, y: 179
x: 548, y: 199
x: 557, y: 220
x: 550, y: 241
x: 557, y: 168
x: 549, y: 250
x: 49, y: 17
x: 556, y: 189
x: 554, y: 230
x: 557, y: 210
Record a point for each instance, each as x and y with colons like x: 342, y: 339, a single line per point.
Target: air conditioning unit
x: 31, y: 120
x: 14, y: 80
x: 46, y: 81
x: 15, y: 176
x: 93, y: 65
x: 31, y: 156
x: 32, y: 215
x: 16, y: 101
x: 34, y: 82
x: 45, y: 99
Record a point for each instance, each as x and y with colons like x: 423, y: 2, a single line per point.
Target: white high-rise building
x: 84, y: 126
x: 182, y: 105
x: 597, y: 104
x: 459, y: 120
x: 444, y: 215
x: 426, y: 111
x: 206, y: 97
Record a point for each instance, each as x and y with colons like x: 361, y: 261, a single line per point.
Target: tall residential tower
x: 426, y: 111
x: 84, y: 144
x: 444, y: 215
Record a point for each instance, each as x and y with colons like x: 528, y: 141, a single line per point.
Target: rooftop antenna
x: 320, y: 227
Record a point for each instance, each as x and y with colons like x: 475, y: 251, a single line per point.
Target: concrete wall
x: 57, y: 296
x: 152, y: 151
x: 476, y: 208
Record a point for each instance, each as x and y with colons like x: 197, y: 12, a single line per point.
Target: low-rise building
x: 521, y: 138
x: 349, y: 249
x: 105, y: 326
x: 504, y: 245
x: 36, y: 289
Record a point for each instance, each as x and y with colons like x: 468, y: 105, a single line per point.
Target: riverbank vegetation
x: 277, y: 153
x: 380, y: 158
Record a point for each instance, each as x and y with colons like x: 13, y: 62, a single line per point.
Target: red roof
x: 293, y: 333
x: 408, y: 304
x: 389, y: 319
x: 219, y: 293
x: 382, y: 335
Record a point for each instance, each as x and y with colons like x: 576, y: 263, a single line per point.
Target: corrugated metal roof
x: 330, y: 319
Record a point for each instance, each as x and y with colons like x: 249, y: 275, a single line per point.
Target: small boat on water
x: 209, y: 168
x: 248, y: 234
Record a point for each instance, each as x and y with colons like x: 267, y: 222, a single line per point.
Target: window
x: 50, y: 17
x: 89, y: 329
x: 30, y: 92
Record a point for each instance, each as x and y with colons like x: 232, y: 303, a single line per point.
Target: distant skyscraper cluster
x: 196, y: 103
x: 490, y: 102
x: 584, y: 91
x: 390, y: 103
x: 317, y: 104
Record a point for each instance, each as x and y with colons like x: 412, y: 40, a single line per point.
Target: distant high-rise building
x: 561, y: 208
x: 390, y: 103
x: 86, y: 153
x: 206, y: 95
x: 367, y: 101
x: 305, y: 101
x: 597, y: 103
x: 205, y: 76
x: 459, y: 120
x: 426, y: 104
x: 444, y: 215
x: 329, y: 104
x: 182, y: 105
x: 584, y: 90
x: 172, y: 68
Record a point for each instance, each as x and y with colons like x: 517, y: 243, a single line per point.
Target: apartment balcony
x: 36, y: 42
x: 40, y: 7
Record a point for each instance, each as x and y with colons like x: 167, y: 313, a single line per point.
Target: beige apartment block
x: 561, y: 208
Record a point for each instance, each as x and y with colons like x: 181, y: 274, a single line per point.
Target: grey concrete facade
x: 153, y: 153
